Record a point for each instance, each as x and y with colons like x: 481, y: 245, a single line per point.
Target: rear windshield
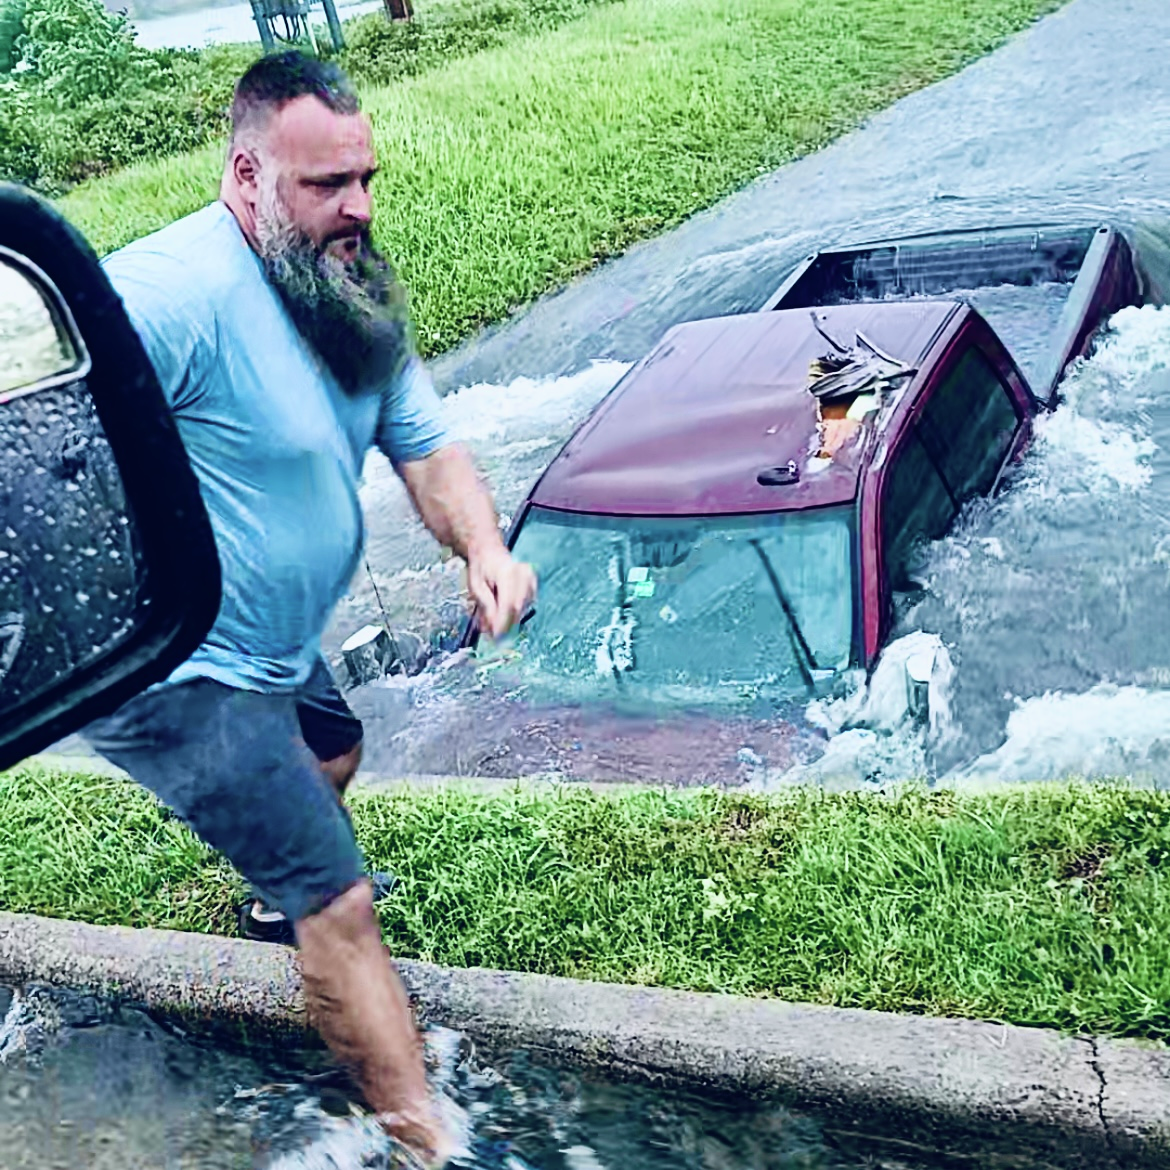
x: 724, y: 609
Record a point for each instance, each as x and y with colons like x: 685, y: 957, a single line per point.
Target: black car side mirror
x: 109, y: 576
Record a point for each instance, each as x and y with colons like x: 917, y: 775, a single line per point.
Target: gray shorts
x: 237, y: 767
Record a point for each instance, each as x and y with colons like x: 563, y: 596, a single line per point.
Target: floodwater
x: 1045, y: 605
x: 231, y: 23
x: 85, y: 1084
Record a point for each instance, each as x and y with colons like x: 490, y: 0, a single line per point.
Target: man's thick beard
x: 353, y: 314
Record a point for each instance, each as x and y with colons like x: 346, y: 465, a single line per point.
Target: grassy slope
x: 170, y: 103
x: 1041, y: 905
x: 505, y: 173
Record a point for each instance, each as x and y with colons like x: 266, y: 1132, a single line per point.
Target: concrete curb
x: 1021, y: 1096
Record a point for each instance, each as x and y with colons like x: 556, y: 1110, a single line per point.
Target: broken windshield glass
x: 686, y: 608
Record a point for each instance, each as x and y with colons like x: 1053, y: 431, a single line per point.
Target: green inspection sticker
x: 643, y: 589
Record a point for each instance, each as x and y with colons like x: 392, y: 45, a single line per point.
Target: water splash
x: 346, y: 1145
x: 1051, y: 597
x: 1107, y: 732
x: 876, y: 732
x: 27, y: 1023
x: 546, y: 407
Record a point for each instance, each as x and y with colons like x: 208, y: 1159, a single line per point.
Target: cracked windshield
x: 583, y: 584
x: 735, y: 611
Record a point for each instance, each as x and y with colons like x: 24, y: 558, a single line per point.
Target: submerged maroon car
x: 730, y: 531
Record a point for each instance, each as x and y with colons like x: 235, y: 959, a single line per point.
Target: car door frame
x: 964, y: 330
x: 160, y: 486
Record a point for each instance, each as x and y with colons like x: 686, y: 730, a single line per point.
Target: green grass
x: 1045, y: 905
x: 379, y: 51
x: 506, y: 173
x: 163, y: 102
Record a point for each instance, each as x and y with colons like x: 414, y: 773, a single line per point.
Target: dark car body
x: 719, y: 419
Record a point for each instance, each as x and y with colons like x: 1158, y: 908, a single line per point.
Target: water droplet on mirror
x: 82, y: 598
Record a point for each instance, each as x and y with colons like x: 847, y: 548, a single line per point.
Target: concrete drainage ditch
x: 925, y: 1091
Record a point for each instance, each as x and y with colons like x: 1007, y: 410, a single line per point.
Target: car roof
x: 719, y: 401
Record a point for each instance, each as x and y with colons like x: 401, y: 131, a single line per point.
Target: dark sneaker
x: 261, y: 923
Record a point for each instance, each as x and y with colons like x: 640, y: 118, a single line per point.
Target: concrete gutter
x: 979, y: 1091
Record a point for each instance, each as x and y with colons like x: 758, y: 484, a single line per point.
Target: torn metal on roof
x: 718, y: 402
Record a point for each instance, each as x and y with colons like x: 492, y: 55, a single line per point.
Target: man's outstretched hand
x: 455, y: 505
x: 501, y: 589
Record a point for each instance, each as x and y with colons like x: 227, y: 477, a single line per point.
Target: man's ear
x: 246, y: 172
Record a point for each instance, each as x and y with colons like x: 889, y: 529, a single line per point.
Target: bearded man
x: 281, y: 340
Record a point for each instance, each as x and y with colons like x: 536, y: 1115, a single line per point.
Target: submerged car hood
x: 464, y: 728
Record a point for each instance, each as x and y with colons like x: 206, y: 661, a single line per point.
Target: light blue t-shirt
x: 276, y: 443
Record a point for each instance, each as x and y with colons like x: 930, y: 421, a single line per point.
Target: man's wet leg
x: 357, y: 1002
x: 229, y: 763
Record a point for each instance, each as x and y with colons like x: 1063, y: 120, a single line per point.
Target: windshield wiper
x: 804, y: 655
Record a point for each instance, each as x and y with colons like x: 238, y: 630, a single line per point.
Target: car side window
x: 34, y: 345
x: 968, y: 425
x: 916, y: 508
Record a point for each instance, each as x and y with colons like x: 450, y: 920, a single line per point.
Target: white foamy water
x: 1106, y: 732
x: 513, y: 431
x: 875, y: 735
x: 1050, y: 600
x: 529, y: 407
x: 344, y: 1144
x: 23, y: 1028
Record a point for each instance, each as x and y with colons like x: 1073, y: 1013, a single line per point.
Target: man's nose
x: 357, y: 204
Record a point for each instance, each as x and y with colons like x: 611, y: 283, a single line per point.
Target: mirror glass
x: 71, y: 574
x: 33, y: 346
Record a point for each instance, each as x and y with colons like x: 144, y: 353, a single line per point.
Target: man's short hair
x: 279, y: 78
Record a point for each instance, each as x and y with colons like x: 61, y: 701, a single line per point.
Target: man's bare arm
x: 457, y: 507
